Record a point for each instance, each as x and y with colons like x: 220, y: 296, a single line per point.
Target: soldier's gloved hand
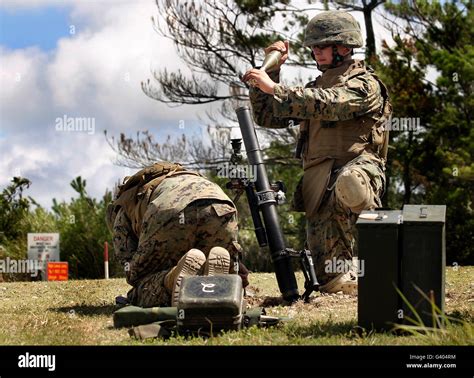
x: 244, y: 274
x: 283, y: 47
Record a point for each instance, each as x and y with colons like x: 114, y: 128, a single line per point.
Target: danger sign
x: 43, y: 247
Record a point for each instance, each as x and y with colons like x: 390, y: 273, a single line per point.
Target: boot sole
x: 191, y: 266
x: 347, y: 287
x: 218, y: 262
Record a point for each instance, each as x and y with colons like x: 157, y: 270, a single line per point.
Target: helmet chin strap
x: 336, y: 59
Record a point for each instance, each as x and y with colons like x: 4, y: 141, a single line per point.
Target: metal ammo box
x: 378, y: 301
x: 423, y: 259
x: 210, y: 303
x: 404, y: 250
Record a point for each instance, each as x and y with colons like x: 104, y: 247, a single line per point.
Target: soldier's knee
x: 353, y: 189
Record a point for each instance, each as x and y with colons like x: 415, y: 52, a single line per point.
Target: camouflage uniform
x: 332, y: 232
x: 184, y: 211
x: 342, y: 115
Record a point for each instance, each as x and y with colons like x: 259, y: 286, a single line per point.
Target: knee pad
x: 353, y: 189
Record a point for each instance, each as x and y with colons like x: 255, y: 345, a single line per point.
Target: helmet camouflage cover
x: 333, y: 28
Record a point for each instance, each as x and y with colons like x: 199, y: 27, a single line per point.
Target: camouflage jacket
x: 168, y: 200
x: 342, y: 112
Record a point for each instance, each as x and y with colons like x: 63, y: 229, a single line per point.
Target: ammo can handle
x: 423, y: 212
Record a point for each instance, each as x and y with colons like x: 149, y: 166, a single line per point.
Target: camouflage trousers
x: 332, y: 233
x: 203, y: 224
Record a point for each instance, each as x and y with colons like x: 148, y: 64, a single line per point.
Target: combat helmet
x: 333, y: 28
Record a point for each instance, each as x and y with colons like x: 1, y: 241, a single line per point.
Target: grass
x: 80, y: 313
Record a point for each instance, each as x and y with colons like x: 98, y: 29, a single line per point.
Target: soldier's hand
x: 244, y: 274
x: 283, y: 47
x: 259, y: 79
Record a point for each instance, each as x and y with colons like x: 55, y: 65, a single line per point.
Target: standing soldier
x: 169, y: 223
x: 343, y: 141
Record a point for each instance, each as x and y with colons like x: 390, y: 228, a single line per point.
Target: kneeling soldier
x: 169, y: 223
x: 343, y: 139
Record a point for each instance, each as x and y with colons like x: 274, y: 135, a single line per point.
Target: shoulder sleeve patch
x: 364, y: 85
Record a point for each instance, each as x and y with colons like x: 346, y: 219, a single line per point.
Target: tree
x: 13, y: 208
x: 81, y: 223
x: 412, y: 100
x: 367, y: 7
x: 194, y: 153
x: 17, y: 219
x: 218, y: 41
x: 440, y: 36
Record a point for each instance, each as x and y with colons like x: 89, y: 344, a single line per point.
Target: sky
x: 67, y: 62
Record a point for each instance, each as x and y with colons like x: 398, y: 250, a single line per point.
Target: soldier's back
x: 174, y: 194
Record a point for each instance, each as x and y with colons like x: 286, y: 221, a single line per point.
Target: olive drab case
x: 402, y: 250
x: 423, y: 259
x: 210, y: 303
x: 378, y: 301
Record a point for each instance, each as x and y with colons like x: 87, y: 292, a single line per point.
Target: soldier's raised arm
x: 262, y: 107
x: 262, y: 103
x: 360, y: 95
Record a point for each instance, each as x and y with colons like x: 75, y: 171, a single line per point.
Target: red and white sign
x: 57, y: 271
x: 43, y: 247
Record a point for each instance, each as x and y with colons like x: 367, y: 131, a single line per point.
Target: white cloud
x: 84, y: 6
x: 21, y: 79
x: 104, y: 67
x: 94, y: 73
x: 53, y: 163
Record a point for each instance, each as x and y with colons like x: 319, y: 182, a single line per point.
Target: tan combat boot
x: 347, y: 283
x: 218, y: 262
x: 189, y: 265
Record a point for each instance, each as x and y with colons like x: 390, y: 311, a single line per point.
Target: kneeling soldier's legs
x: 332, y: 234
x: 203, y: 224
x: 157, y: 255
x: 217, y: 227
